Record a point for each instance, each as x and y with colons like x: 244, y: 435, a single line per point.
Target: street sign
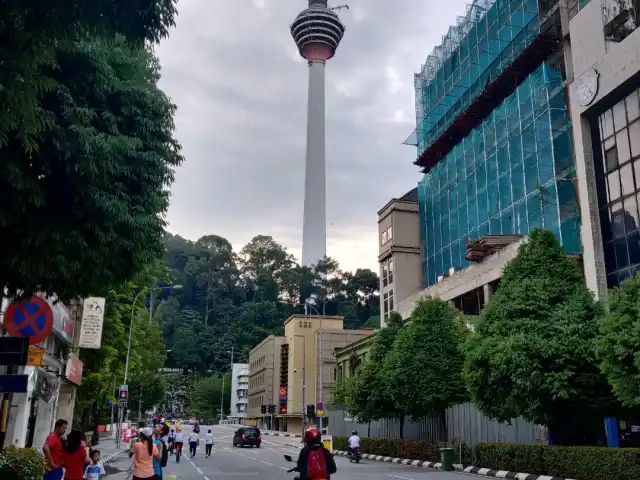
x: 13, y: 383
x: 31, y: 318
x: 13, y: 351
x: 35, y: 357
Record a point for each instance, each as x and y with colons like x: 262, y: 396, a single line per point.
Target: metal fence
x: 464, y: 421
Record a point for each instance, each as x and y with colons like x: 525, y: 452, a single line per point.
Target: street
x: 268, y: 463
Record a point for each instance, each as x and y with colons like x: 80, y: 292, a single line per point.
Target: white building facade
x: 52, y: 383
x: 239, y: 391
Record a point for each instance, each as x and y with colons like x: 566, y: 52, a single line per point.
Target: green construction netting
x: 511, y: 174
x: 473, y: 53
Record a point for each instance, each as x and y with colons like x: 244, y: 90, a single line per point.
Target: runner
x: 179, y: 442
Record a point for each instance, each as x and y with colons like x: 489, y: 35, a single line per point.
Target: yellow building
x: 297, y: 369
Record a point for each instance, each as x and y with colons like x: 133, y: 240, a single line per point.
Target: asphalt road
x: 268, y: 463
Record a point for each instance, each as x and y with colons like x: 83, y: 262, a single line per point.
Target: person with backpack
x: 315, y: 462
x: 160, y: 432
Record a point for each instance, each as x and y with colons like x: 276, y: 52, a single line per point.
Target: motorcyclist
x: 196, y: 428
x: 315, y: 461
x: 354, y: 442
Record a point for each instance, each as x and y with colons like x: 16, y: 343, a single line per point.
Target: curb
x: 294, y: 445
x: 487, y: 472
x: 282, y: 434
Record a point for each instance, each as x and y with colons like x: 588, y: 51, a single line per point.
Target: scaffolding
x: 474, y: 53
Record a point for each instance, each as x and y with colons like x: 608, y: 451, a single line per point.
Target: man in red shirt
x: 53, y: 451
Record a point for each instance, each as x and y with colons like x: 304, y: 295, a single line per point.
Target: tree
x: 364, y: 394
x: 532, y: 354
x: 423, y: 371
x: 618, y: 344
x: 82, y: 208
x: 205, y: 397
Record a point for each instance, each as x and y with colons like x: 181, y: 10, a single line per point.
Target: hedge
x: 583, y: 463
x: 412, y: 449
x: 21, y: 464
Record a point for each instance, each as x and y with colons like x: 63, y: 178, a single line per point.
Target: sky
x: 234, y: 72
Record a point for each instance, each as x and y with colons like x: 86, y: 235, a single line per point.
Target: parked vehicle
x: 247, y: 436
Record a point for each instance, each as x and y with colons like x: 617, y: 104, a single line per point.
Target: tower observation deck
x: 317, y: 32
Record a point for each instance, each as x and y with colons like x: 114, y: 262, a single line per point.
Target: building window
x: 616, y: 141
x: 386, y: 236
x: 387, y: 304
x: 387, y: 272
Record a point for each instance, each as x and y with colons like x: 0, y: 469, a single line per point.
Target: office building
x: 606, y: 117
x: 317, y: 32
x: 296, y: 370
x: 239, y: 391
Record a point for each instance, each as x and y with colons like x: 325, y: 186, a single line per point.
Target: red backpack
x: 316, y: 465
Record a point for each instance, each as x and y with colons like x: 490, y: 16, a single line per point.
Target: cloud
x: 241, y: 90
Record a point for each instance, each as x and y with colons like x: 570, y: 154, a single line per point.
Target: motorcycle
x: 354, y: 455
x: 289, y: 458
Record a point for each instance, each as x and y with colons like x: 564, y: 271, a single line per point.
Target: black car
x: 247, y: 436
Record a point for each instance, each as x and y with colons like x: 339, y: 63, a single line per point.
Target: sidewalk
x: 109, y: 451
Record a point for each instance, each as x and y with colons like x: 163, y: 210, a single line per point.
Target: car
x: 247, y: 436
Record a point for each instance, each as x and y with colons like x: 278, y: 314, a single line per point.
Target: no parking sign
x: 31, y: 318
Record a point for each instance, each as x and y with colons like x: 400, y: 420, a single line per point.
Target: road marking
x: 199, y: 471
x: 262, y: 461
x: 398, y: 476
x: 206, y: 478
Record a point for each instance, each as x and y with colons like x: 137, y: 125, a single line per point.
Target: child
x: 95, y: 470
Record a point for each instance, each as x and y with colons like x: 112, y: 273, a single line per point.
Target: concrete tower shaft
x: 317, y: 32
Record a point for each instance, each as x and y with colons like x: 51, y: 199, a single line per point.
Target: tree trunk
x: 401, y: 420
x: 369, y: 429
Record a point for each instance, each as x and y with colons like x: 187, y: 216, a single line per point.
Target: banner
x: 92, y: 322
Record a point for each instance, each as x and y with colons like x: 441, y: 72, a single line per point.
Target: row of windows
x: 256, y: 364
x: 257, y: 381
x: 617, y: 142
x: 387, y: 272
x: 386, y: 236
x: 256, y: 402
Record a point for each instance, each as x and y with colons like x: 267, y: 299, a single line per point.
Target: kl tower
x: 317, y: 32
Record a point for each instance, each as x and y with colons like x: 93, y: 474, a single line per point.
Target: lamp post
x: 126, y: 365
x: 222, y: 391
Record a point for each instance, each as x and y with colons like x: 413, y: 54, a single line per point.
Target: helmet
x: 312, y: 435
x: 354, y: 433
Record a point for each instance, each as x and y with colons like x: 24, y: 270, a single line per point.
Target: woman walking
x: 144, y: 451
x: 74, y: 456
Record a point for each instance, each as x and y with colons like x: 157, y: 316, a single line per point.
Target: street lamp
x: 133, y: 306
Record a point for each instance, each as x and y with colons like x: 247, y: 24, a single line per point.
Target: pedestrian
x: 208, y: 440
x: 194, y: 439
x: 95, y: 470
x: 179, y: 444
x: 52, y: 450
x: 159, y: 434
x: 144, y: 451
x: 74, y: 456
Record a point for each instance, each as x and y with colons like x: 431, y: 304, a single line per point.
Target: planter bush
x: 21, y: 464
x: 583, y: 463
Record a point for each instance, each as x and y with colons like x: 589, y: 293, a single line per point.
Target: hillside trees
x: 532, y: 354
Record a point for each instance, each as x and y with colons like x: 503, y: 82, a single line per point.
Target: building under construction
x: 493, y: 135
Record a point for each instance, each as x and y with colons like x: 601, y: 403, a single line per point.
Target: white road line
x: 206, y: 478
x: 262, y: 461
x: 398, y: 476
x: 199, y: 471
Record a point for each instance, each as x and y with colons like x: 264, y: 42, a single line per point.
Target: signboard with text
x: 73, y: 372
x: 35, y: 357
x: 92, y: 322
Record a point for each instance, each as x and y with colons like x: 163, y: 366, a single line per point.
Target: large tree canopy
x: 82, y: 208
x: 533, y: 354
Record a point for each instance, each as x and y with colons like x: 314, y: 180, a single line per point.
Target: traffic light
x: 272, y: 408
x: 311, y: 411
x: 283, y: 408
x: 263, y: 409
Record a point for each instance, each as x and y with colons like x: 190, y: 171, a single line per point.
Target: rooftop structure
x: 317, y: 32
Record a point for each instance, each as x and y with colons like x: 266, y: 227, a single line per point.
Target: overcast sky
x: 241, y: 90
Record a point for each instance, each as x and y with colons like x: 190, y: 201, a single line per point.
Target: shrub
x: 21, y: 464
x: 584, y: 463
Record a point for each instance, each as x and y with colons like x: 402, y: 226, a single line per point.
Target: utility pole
x: 222, y: 392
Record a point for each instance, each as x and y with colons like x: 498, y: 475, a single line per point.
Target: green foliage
x: 532, y: 354
x: 364, y: 394
x: 618, y: 345
x: 373, y: 322
x: 83, y: 197
x: 231, y: 300
x: 391, y: 447
x: 21, y: 464
x: 585, y: 463
x: 423, y: 371
x: 206, y: 394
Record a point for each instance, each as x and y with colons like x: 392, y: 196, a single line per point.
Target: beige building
x: 297, y: 369
x: 399, y: 257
